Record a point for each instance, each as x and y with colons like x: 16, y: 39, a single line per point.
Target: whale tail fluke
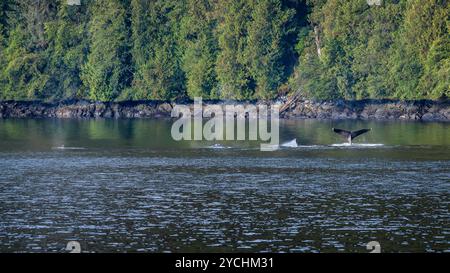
x: 359, y: 132
x: 350, y: 135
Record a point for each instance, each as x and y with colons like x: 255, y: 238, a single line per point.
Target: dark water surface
x: 124, y: 185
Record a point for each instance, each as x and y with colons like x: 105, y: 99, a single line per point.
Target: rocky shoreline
x: 424, y: 110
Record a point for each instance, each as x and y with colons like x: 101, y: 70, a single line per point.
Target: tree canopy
x: 109, y: 50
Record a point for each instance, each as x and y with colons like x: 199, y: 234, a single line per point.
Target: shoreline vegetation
x: 418, y: 110
x: 120, y: 50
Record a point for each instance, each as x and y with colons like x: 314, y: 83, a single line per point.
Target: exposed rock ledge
x: 425, y: 110
x: 366, y: 109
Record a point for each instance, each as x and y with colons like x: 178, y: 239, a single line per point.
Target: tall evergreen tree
x: 266, y: 48
x: 67, y: 54
x: 420, y: 62
x: 25, y: 73
x: 158, y: 73
x: 7, y: 8
x: 199, y: 49
x: 107, y: 70
x: 235, y: 80
x: 236, y: 49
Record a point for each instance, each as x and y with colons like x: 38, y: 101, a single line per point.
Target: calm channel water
x: 125, y: 185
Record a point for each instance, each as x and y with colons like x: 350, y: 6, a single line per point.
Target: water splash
x: 219, y: 146
x: 62, y: 147
x: 358, y: 145
x: 290, y: 144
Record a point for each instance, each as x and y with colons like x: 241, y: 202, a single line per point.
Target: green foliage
x: 25, y: 73
x: 315, y: 78
x: 236, y: 49
x: 265, y: 47
x: 199, y: 49
x: 105, y: 72
x: 396, y: 50
x: 7, y: 8
x: 422, y: 51
x: 69, y: 45
x: 156, y: 59
x: 436, y: 79
x: 235, y: 81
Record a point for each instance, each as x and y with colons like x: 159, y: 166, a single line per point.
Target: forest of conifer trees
x: 114, y: 50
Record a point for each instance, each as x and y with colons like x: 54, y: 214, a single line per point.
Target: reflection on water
x: 126, y: 186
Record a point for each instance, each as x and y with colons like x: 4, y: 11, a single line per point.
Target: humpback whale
x: 350, y: 135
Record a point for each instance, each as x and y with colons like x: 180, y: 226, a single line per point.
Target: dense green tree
x: 235, y: 81
x: 25, y: 73
x: 265, y: 47
x: 7, y: 8
x: 435, y: 83
x: 69, y: 44
x: 420, y: 60
x: 158, y: 73
x: 200, y: 48
x: 106, y: 72
x: 237, y: 49
x: 375, y: 51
